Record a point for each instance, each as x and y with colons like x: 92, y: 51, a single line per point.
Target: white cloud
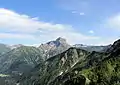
x: 106, y: 41
x: 82, y: 13
x: 27, y: 27
x: 91, y: 31
x: 15, y: 36
x: 74, y: 12
x: 113, y: 22
x: 31, y: 28
x: 13, y: 21
x: 78, y: 5
x: 72, y: 37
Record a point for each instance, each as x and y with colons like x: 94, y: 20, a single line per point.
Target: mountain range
x: 59, y: 63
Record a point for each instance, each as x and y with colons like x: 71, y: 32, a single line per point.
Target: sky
x: 32, y: 22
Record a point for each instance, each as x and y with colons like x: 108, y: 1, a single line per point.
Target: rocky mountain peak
x: 55, y: 47
x: 60, y: 39
x: 57, y: 42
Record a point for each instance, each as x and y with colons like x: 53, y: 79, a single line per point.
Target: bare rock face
x: 114, y: 47
x: 53, y: 48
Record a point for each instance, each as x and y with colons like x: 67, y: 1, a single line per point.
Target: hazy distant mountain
x: 15, y: 46
x: 92, y: 48
x: 4, y: 48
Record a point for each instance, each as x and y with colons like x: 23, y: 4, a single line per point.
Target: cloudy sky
x: 95, y: 22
